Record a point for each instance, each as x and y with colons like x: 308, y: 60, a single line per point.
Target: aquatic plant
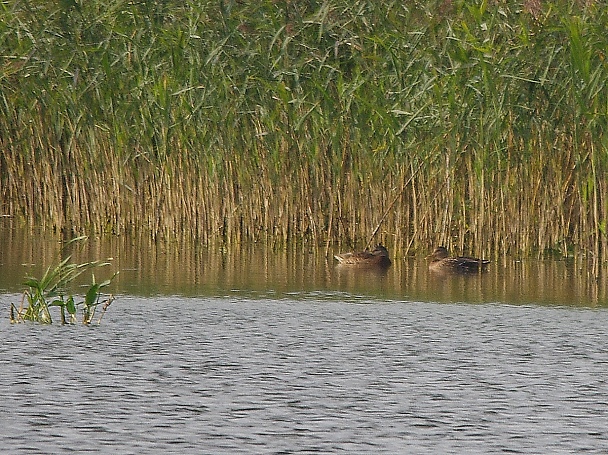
x: 51, y: 290
x: 472, y: 123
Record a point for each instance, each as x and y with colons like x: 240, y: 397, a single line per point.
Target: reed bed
x: 481, y: 125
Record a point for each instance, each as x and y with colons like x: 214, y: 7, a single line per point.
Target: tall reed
x: 476, y: 124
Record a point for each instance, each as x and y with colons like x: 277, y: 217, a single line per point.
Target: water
x: 150, y: 268
x: 254, y: 351
x: 308, y: 375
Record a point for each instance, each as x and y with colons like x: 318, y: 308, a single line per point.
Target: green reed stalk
x: 51, y: 291
x: 300, y: 122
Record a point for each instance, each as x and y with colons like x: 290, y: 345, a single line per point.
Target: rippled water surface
x: 261, y: 352
x: 308, y: 374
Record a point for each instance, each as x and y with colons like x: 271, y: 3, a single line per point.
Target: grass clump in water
x: 51, y: 290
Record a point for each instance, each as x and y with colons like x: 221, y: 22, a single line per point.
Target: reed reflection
x: 176, y: 267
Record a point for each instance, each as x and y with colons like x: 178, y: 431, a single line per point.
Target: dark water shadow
x: 178, y: 268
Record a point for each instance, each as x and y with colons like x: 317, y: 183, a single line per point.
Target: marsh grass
x: 52, y: 290
x: 480, y: 125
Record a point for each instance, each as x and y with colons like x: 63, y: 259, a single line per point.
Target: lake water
x: 258, y: 351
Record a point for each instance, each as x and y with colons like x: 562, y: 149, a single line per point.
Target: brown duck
x: 378, y: 257
x: 443, y: 263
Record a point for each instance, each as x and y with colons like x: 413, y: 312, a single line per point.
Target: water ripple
x: 213, y: 375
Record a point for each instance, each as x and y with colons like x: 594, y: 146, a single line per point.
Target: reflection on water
x: 174, y: 268
x: 251, y: 350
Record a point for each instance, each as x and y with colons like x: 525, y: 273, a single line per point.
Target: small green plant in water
x: 51, y: 291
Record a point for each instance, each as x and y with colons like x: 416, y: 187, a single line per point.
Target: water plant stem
x: 301, y: 121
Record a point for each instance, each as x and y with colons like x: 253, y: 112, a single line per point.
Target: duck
x: 442, y: 262
x: 378, y: 257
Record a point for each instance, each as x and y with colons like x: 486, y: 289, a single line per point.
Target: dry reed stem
x: 307, y: 136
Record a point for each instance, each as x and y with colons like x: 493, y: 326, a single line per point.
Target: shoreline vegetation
x: 479, y: 125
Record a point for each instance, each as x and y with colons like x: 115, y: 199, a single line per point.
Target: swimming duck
x: 378, y: 257
x: 442, y: 262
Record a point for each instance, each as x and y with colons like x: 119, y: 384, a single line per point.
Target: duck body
x: 378, y: 257
x: 442, y: 262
